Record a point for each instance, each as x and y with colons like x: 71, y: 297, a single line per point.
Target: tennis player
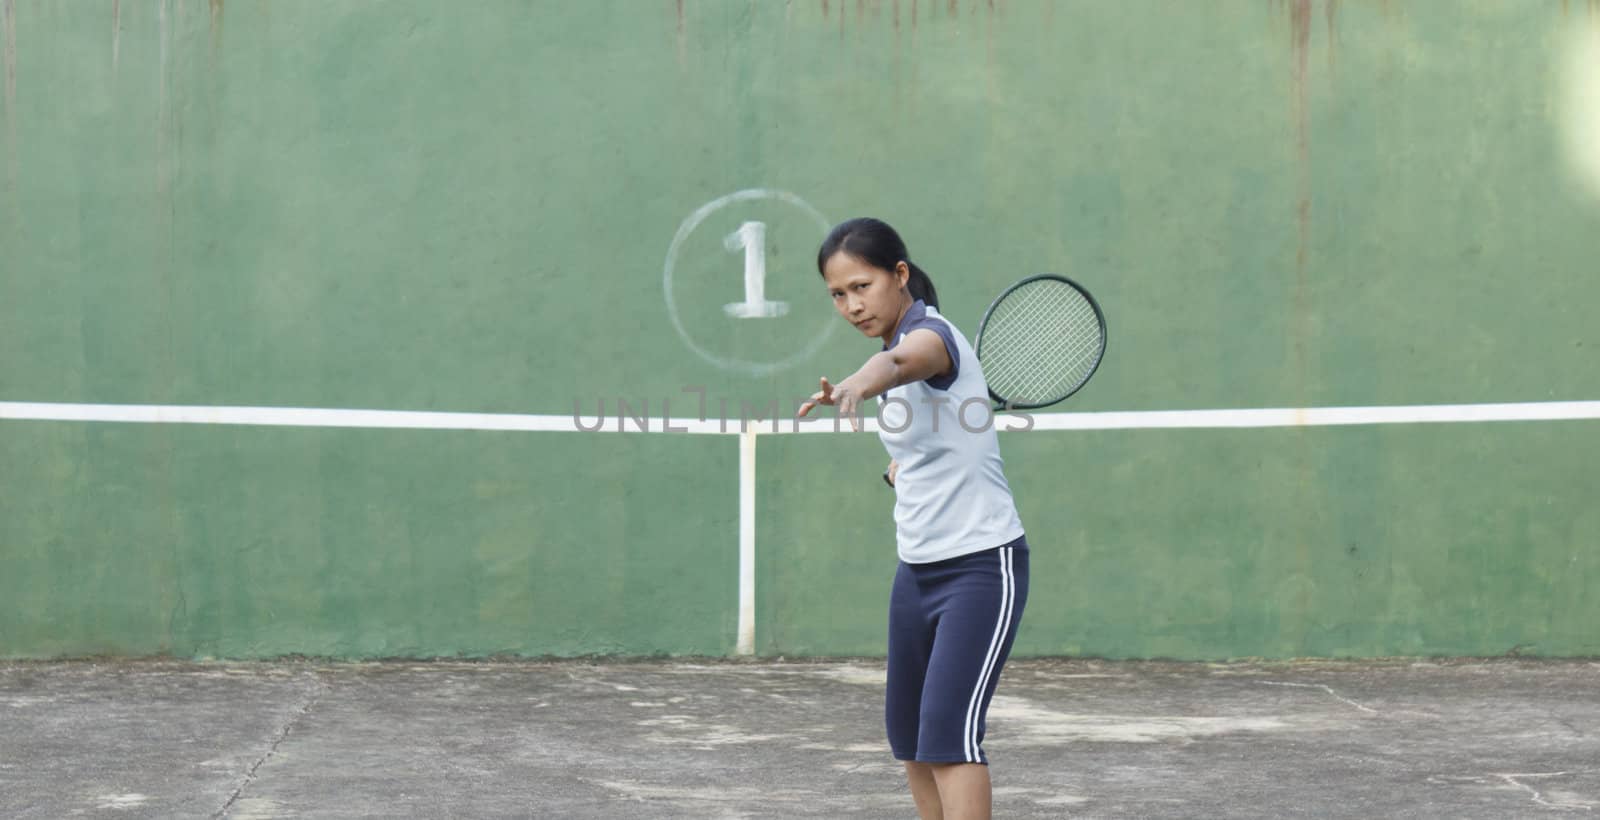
x: 962, y: 579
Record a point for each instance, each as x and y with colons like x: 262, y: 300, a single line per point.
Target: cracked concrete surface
x: 698, y: 738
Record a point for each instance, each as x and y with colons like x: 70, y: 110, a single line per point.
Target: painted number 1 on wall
x: 752, y: 237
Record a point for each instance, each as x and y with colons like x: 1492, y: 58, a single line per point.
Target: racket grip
x: 886, y: 478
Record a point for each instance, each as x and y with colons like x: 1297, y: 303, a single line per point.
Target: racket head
x: 1040, y: 341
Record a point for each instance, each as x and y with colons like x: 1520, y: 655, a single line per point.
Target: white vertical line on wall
x: 747, y: 543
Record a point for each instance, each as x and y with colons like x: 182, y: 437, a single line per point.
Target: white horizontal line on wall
x: 612, y: 423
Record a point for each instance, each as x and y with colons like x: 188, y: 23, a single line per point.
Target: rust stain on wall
x: 1593, y: 7
x: 900, y: 13
x: 161, y: 105
x: 216, y: 26
x: 8, y: 18
x: 1330, y: 12
x: 1300, y: 43
x: 898, y: 93
x: 679, y: 35
x: 988, y: 53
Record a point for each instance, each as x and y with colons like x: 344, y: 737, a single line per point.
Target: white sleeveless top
x: 951, y: 496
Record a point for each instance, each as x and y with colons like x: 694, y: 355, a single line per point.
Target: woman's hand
x: 920, y: 355
x: 842, y: 395
x: 894, y: 470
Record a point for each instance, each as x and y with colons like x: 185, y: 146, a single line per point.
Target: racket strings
x: 1041, y: 343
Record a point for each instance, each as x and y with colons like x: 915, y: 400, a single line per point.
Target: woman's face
x: 870, y: 298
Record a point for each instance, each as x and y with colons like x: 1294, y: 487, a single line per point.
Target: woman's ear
x: 902, y: 273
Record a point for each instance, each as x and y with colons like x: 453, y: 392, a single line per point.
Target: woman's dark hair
x: 872, y: 241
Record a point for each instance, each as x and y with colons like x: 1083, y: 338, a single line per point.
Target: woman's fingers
x: 849, y: 404
x: 823, y: 396
x: 846, y: 400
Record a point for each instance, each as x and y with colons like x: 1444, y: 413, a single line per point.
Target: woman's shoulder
x: 939, y: 322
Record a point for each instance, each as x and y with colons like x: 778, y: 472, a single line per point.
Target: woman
x: 962, y: 580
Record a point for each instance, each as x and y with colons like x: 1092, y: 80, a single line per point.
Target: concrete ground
x: 711, y: 739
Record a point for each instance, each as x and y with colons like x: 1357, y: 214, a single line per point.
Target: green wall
x: 470, y: 207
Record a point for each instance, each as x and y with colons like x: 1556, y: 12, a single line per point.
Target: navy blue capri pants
x: 951, y: 624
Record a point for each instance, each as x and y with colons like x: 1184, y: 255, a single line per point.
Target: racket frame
x: 1001, y: 403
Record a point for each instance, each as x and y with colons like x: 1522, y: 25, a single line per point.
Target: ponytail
x: 921, y: 286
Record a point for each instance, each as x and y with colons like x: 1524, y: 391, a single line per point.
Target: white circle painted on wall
x: 744, y: 330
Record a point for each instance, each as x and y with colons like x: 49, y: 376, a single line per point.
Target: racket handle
x: 886, y: 478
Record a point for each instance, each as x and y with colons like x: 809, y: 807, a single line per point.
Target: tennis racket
x: 1040, y: 341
